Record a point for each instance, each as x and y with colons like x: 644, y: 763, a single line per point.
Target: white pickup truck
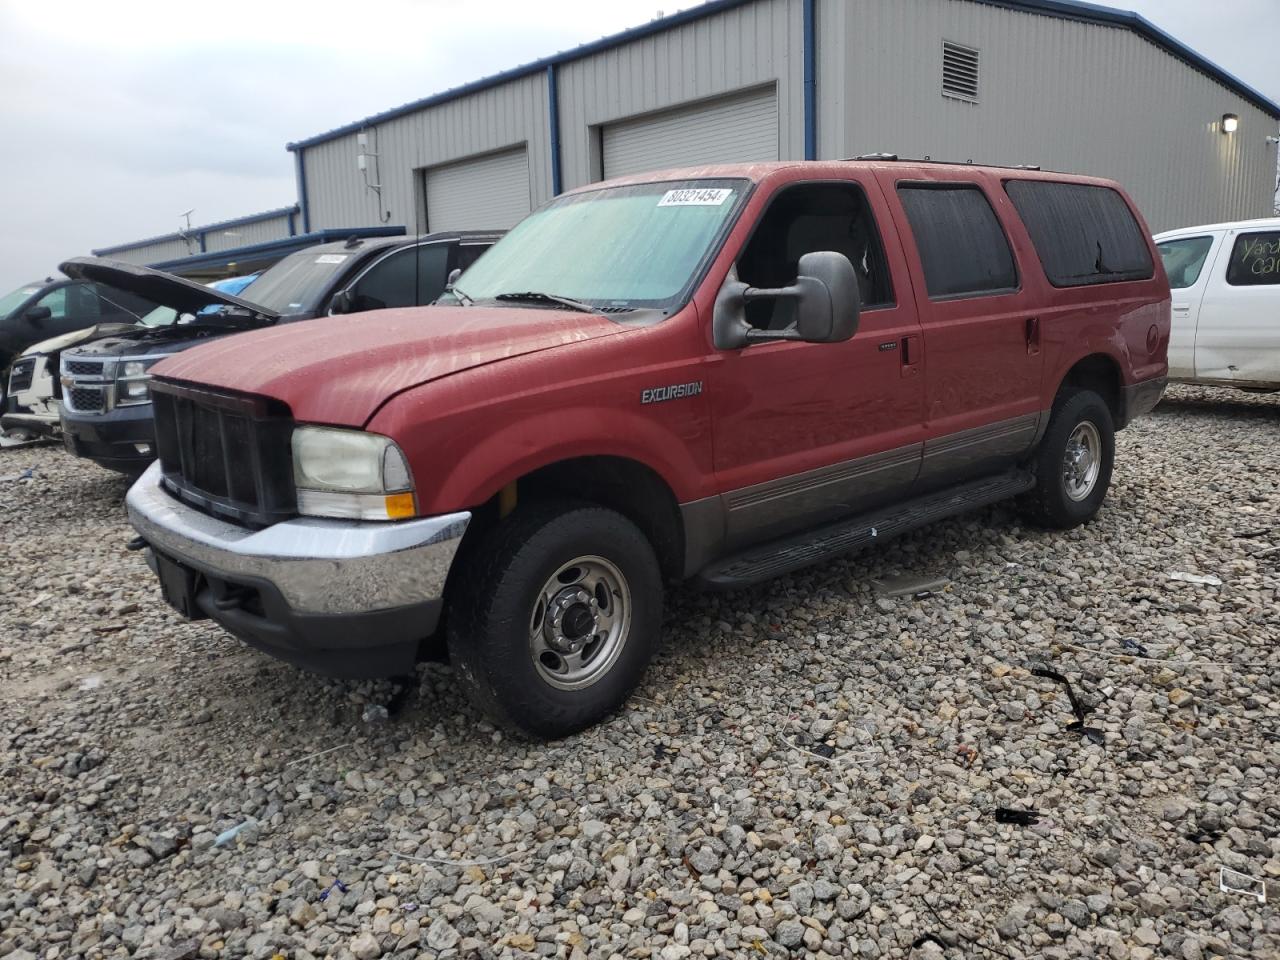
x: 1225, y: 281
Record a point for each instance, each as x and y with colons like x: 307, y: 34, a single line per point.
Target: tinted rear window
x: 1083, y: 234
x: 1255, y: 260
x: 962, y: 245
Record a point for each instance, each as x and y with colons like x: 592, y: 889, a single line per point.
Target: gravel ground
x: 813, y: 768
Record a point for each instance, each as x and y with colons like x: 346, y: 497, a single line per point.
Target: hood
x: 96, y: 332
x: 164, y: 289
x: 340, y: 369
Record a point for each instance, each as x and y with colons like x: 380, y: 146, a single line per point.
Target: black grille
x: 227, y: 454
x: 87, y: 399
x: 83, y: 368
x: 21, y: 374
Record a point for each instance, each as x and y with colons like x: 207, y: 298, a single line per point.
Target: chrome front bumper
x: 320, y: 567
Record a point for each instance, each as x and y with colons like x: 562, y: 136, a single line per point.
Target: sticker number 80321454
x: 695, y: 197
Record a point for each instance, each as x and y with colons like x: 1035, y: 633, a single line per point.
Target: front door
x: 1238, y: 336
x: 1185, y: 260
x: 808, y: 432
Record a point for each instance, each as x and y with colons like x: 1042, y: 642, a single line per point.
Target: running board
x: 769, y: 560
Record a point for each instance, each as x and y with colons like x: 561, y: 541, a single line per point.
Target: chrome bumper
x: 319, y: 566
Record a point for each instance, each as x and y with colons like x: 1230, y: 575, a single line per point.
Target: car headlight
x: 350, y: 474
x: 131, y: 382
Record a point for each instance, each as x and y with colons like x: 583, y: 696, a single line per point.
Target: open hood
x: 339, y: 370
x: 164, y: 289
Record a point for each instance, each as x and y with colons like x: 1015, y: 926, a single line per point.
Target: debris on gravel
x: 810, y: 769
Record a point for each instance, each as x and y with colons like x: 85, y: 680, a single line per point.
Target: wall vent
x: 959, y: 72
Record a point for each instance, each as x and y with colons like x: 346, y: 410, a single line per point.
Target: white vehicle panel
x: 1238, y: 335
x: 1226, y: 318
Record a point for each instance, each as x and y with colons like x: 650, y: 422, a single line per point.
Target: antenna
x: 185, y: 232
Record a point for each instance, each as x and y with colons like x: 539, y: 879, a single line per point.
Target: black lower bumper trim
x: 383, y: 643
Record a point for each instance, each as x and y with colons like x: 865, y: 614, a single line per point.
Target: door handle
x: 1033, y: 336
x: 910, y: 353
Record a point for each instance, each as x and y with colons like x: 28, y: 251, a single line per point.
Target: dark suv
x: 47, y: 308
x: 106, y: 408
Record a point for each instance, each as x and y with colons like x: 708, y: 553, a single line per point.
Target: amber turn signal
x: 400, y: 506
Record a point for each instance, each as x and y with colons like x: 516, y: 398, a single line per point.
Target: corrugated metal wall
x: 1064, y: 94
x: 216, y: 237
x: 245, y: 234
x: 156, y: 252
x: 506, y: 116
x: 750, y: 46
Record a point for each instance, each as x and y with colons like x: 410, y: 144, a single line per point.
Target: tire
x: 1065, y: 496
x: 522, y: 601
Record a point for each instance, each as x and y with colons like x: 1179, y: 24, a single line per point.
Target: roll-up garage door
x: 487, y: 193
x: 737, y: 129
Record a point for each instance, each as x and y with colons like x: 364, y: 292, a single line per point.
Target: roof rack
x: 893, y: 157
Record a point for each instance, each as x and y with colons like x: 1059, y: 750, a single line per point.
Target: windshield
x: 159, y: 317
x: 10, y: 301
x: 620, y: 247
x: 296, y: 283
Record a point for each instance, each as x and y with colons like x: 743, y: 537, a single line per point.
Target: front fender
x: 528, y: 444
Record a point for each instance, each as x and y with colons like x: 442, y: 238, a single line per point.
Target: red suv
x: 721, y: 374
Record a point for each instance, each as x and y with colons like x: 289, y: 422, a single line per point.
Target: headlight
x: 131, y: 382
x: 350, y: 474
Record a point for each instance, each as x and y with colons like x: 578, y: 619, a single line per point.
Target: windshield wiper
x: 535, y: 296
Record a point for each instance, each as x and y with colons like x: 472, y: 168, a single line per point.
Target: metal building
x: 232, y: 247
x: 1065, y: 85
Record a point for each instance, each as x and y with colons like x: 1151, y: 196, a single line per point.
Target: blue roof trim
x: 195, y: 231
x: 282, y: 246
x: 1064, y: 9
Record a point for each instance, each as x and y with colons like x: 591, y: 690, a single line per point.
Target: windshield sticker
x: 704, y: 197
x: 331, y: 258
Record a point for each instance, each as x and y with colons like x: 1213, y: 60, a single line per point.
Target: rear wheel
x: 1073, y: 463
x: 555, y: 616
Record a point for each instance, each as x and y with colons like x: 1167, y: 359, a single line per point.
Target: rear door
x: 809, y: 432
x: 1188, y: 262
x: 1238, y: 336
x: 979, y: 323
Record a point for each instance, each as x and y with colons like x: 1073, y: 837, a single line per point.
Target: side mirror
x: 828, y: 305
x: 343, y: 301
x: 36, y: 316
x: 454, y: 274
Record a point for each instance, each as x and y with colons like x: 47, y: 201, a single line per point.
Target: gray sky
x: 119, y: 116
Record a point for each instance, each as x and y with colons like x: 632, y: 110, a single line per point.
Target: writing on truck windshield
x: 624, y: 247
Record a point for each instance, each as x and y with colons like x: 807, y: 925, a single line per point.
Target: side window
x: 1184, y: 259
x: 804, y: 219
x: 1083, y: 234
x: 1255, y: 260
x: 962, y: 245
x: 82, y: 300
x: 469, y: 253
x: 389, y: 283
x: 404, y: 279
x: 56, y: 301
x: 433, y: 271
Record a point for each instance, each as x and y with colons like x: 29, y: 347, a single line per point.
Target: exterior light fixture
x: 1229, y: 122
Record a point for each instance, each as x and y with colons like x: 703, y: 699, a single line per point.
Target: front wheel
x: 1073, y: 463
x: 556, y: 614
